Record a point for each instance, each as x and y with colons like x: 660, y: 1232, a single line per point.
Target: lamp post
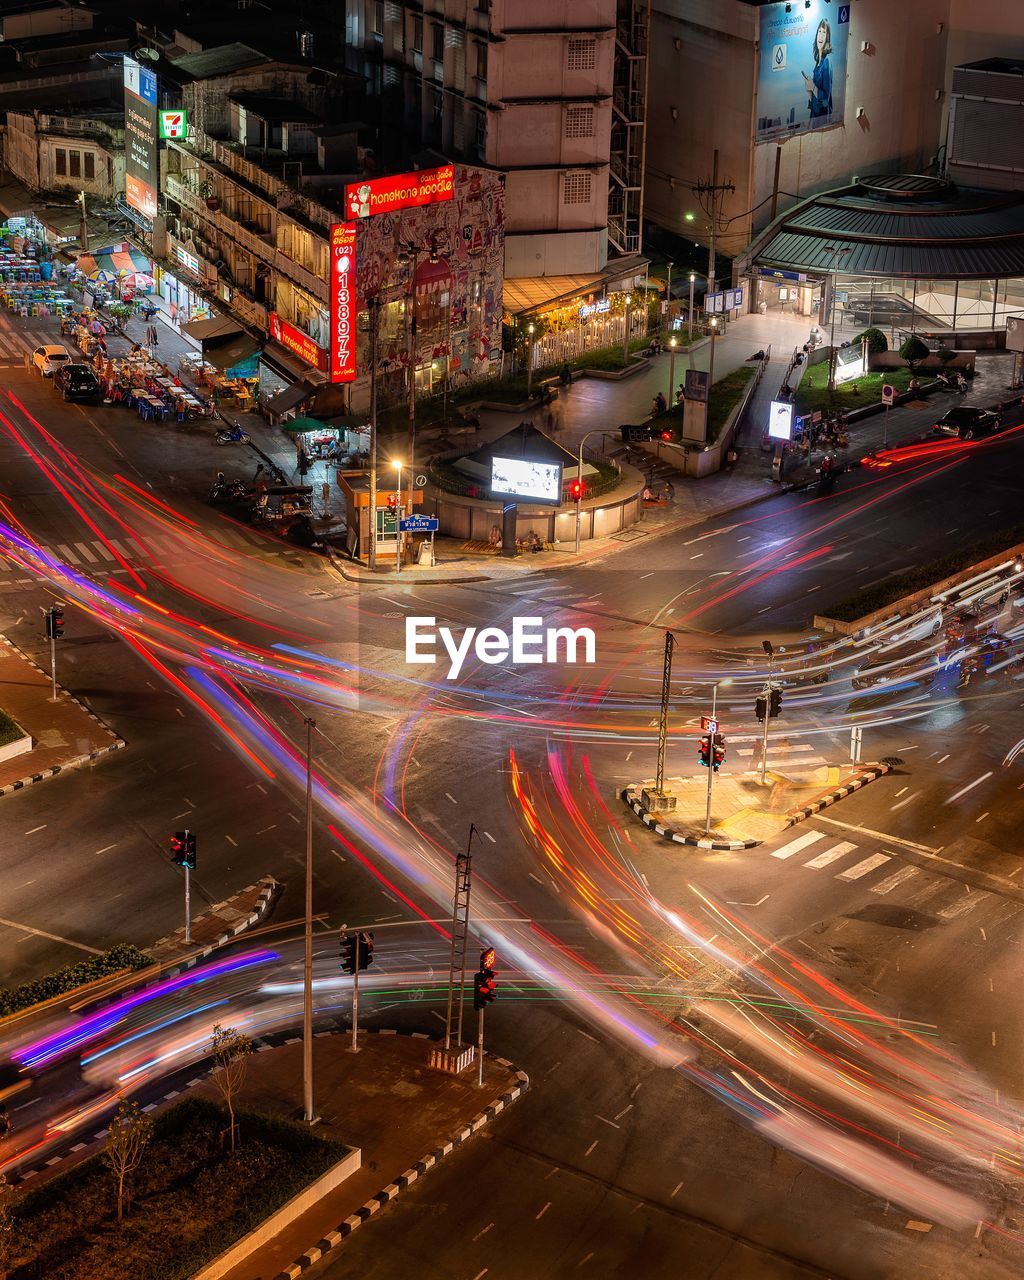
x: 373, y: 305
x: 689, y: 318
x: 671, y: 371
x: 579, y: 485
x: 307, y: 967
x: 711, y: 762
x: 529, y: 361
x: 400, y: 511
x: 835, y: 253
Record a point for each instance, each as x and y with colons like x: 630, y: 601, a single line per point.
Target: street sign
x: 174, y: 124
x: 816, y: 417
x: 420, y: 482
x: 888, y: 393
x: 707, y: 725
x: 418, y: 524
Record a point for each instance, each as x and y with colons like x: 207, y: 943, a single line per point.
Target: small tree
x: 914, y: 351
x: 230, y: 1049
x: 128, y: 1137
x: 876, y: 340
x: 945, y: 354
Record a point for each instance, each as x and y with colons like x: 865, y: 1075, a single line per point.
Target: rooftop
x: 220, y: 61
x: 274, y: 110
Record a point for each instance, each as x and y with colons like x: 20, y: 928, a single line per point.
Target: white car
x: 49, y: 359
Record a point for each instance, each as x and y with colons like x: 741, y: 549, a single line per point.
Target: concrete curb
x: 394, y: 1189
x: 116, y: 743
x: 650, y: 820
x: 266, y: 896
x: 870, y: 773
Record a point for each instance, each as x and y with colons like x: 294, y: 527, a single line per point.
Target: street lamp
x: 529, y: 361
x: 579, y: 485
x: 400, y: 511
x: 671, y: 370
x: 713, y: 736
x: 835, y: 253
x: 689, y: 318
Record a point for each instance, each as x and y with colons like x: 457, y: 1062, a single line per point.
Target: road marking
x: 882, y: 835
x: 897, y: 878
x: 830, y: 855
x: 862, y: 868
x: 909, y: 800
x: 678, y: 1188
x: 483, y: 1232
x: 35, y: 829
x: 106, y: 849
x: 942, y: 759
x: 81, y: 547
x: 102, y: 550
x: 266, y: 829
x: 983, y: 816
x: 54, y: 937
x: 490, y: 837
x: 451, y: 797
x: 801, y: 842
x: 66, y: 553
x: 591, y: 1147
x: 962, y: 905
x: 970, y: 787
x: 610, y: 1122
x: 230, y: 841
x: 542, y: 1212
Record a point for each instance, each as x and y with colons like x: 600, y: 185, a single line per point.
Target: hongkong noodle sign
x: 403, y: 191
x: 343, y: 302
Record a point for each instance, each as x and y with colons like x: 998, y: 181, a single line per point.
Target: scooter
x: 227, y: 490
x: 232, y: 435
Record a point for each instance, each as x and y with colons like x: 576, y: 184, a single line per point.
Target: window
x: 480, y: 139
x: 417, y: 34
x: 74, y: 164
x: 579, y: 122
x: 582, y: 55
x: 436, y: 106
x: 438, y: 38
x: 61, y: 159
x: 90, y: 165
x: 576, y: 188
x: 481, y: 61
x: 378, y: 18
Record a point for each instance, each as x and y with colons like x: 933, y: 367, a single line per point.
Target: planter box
x: 19, y: 747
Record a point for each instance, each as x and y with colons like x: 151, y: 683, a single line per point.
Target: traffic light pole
x: 188, y: 906
x: 53, y: 670
x: 711, y: 762
x: 480, y: 1050
x: 354, y: 1047
x: 767, y: 719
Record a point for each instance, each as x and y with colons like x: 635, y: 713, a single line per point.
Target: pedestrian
x: 258, y: 472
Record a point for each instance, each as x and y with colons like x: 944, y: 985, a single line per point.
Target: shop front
x: 181, y: 285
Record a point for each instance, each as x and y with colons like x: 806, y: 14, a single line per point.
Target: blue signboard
x: 418, y: 524
x: 801, y: 74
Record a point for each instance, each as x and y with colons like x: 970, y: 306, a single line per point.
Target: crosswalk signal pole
x: 480, y: 1050
x: 355, y: 1003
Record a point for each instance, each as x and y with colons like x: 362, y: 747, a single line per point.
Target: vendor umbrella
x: 102, y: 276
x: 299, y: 426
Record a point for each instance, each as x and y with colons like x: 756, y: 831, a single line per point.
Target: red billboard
x: 343, y: 302
x: 298, y: 343
x: 403, y: 191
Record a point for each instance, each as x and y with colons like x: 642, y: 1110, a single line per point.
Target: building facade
x: 71, y: 152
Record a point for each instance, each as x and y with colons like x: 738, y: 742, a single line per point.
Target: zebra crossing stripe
x: 80, y: 546
x: 830, y: 855
x: 897, y: 878
x: 801, y: 842
x: 862, y: 868
x: 102, y: 550
x: 65, y: 553
x: 961, y: 906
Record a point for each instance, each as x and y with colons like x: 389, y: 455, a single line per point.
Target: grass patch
x: 813, y: 394
x: 726, y: 394
x: 116, y: 960
x: 925, y: 575
x: 10, y: 730
x: 191, y: 1199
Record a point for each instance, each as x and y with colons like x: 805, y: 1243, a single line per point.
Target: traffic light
x: 183, y: 849
x: 54, y: 622
x: 576, y: 490
x: 704, y: 752
x: 484, y: 982
x: 760, y: 707
x: 774, y: 702
x: 667, y: 434
x: 364, y: 950
x: 718, y: 752
x: 347, y: 952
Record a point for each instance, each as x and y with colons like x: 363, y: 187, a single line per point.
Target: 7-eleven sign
x: 173, y: 124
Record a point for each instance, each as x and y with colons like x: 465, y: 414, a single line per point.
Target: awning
x: 232, y: 351
x: 119, y: 259
x: 216, y: 328
x: 530, y: 294
x: 299, y: 426
x: 290, y: 397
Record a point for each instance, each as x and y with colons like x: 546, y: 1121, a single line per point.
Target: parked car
x: 76, y: 382
x: 49, y: 359
x: 968, y: 422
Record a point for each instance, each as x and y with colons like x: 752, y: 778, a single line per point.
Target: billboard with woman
x: 801, y: 74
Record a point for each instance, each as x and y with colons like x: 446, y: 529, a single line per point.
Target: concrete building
x: 67, y: 151
x: 523, y: 86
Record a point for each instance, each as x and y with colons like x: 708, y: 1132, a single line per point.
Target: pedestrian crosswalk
x: 19, y: 341
x: 882, y: 873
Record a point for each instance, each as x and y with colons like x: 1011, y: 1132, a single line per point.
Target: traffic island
x: 744, y: 812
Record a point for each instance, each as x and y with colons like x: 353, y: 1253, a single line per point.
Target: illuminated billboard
x: 403, y: 191
x: 343, y: 302
x: 801, y: 73
x: 174, y: 124
x: 141, y: 163
x: 298, y: 343
x: 524, y: 478
x: 780, y: 420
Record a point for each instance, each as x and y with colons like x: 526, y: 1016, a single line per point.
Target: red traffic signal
x: 718, y: 756
x: 183, y: 849
x: 704, y: 751
x: 576, y: 490
x: 487, y: 958
x: 666, y: 434
x: 484, y: 988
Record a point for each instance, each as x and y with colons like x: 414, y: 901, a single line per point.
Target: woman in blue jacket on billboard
x: 819, y: 85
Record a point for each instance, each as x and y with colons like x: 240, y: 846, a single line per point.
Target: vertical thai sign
x: 140, y: 132
x: 343, y: 302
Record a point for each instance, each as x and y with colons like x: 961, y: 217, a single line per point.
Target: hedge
x: 10, y: 730
x: 191, y: 1199
x: 116, y: 960
x: 926, y: 575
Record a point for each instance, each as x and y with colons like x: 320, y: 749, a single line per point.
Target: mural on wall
x: 457, y: 297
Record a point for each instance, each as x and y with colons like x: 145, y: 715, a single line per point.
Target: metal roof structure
x: 898, y: 225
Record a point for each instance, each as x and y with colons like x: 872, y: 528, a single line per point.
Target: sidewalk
x: 217, y: 924
x: 386, y: 1101
x: 65, y: 734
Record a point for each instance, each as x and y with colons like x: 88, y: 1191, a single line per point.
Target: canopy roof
x: 898, y: 225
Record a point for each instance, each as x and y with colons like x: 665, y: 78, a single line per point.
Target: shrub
x: 876, y: 340
x: 914, y: 350
x: 116, y: 960
x: 945, y: 354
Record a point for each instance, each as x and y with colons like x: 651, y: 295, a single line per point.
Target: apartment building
x: 67, y: 151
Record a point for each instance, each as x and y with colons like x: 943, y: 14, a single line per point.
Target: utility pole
x: 460, y: 929
x: 708, y: 196
x: 666, y: 685
x: 373, y: 305
x: 307, y: 969
x: 412, y: 364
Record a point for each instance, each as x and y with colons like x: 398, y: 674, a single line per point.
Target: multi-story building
x: 67, y: 151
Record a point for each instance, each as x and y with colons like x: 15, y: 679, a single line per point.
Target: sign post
x: 888, y: 396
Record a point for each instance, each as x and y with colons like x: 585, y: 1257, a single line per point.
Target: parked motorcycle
x: 232, y: 435
x: 226, y: 490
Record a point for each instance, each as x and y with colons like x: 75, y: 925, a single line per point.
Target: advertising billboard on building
x: 403, y: 191
x: 526, y: 478
x: 141, y: 162
x: 801, y: 73
x: 298, y: 343
x: 343, y: 302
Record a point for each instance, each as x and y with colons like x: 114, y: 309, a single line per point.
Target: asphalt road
x: 671, y: 1177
